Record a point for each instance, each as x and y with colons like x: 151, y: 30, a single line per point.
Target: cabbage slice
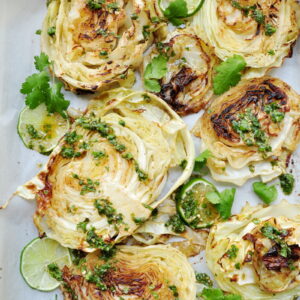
x: 98, y: 47
x: 247, y: 262
x: 109, y: 169
x: 153, y: 272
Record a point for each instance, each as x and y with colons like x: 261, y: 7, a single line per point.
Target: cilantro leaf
x: 213, y: 197
x: 201, y: 159
x: 56, y: 101
x: 266, y: 193
x: 155, y: 70
x: 228, y: 74
x: 177, y: 9
x: 36, y: 88
x: 152, y: 85
x: 217, y: 294
x: 226, y: 201
x: 41, y: 62
x: 212, y: 294
x: 223, y: 201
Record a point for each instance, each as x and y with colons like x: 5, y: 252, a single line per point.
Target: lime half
x: 35, y: 258
x: 193, y: 206
x: 192, y: 5
x: 40, y: 130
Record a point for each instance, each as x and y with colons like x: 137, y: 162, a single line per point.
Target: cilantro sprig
x: 201, y: 159
x: 154, y: 71
x: 223, y: 201
x: 178, y: 10
x: 39, y: 89
x: 228, y: 74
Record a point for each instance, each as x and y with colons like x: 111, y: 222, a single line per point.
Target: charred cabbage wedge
x: 153, y: 272
x: 257, y: 253
x: 251, y: 130
x: 111, y: 165
x: 97, y: 44
x: 263, y: 32
x: 187, y: 83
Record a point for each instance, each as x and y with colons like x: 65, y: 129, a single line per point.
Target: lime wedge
x: 40, y: 130
x: 192, y: 5
x: 192, y: 205
x: 35, y: 258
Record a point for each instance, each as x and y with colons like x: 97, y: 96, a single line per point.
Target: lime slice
x: 193, y: 206
x: 35, y: 258
x: 192, y: 5
x: 40, y: 130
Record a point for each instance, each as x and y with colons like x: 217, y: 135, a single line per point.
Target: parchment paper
x: 19, y: 20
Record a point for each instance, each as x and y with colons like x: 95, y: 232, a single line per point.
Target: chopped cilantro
x: 203, y: 278
x: 273, y: 110
x: 127, y: 156
x: 232, y: 252
x: 271, y: 52
x: 183, y: 164
x: 96, y: 241
x: 55, y: 272
x: 51, y: 31
x: 95, y: 4
x: 148, y: 206
x: 137, y: 220
x: 77, y: 256
x: 33, y: 132
x: 105, y: 208
x: 287, y: 182
x: 99, y: 154
x: 83, y: 225
x: 258, y: 16
x: 277, y: 236
x: 72, y: 137
x: 122, y: 122
x: 269, y: 29
x: 38, y: 32
x: 174, y: 289
x: 146, y: 32
x: 69, y: 152
x: 97, y: 275
x: 176, y: 224
x: 102, y: 32
x: 228, y: 74
x: 134, y: 16
x: 141, y: 174
x: 248, y: 127
x: 113, y: 6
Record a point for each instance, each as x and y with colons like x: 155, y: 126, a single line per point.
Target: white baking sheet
x: 19, y: 20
